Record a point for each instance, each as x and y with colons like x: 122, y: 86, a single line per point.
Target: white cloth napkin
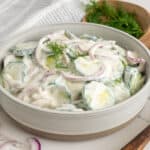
x: 13, y: 13
x: 18, y: 15
x: 62, y: 11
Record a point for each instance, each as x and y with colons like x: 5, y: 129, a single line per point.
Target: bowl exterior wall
x: 66, y: 124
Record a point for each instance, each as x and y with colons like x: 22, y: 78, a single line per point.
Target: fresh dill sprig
x: 57, y: 54
x: 57, y: 49
x: 104, y: 13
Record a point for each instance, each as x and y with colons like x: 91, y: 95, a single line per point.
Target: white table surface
x: 111, y: 142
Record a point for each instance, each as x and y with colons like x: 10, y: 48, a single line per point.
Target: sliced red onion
x: 75, y: 78
x: 30, y: 88
x: 34, y: 144
x: 100, y: 44
x: 93, y: 49
x: 133, y: 59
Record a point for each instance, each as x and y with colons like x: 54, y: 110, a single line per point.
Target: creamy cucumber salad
x: 68, y: 73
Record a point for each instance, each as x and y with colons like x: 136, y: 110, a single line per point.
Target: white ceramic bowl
x: 78, y: 123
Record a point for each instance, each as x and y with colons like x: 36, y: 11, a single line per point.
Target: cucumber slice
x: 70, y: 35
x: 58, y: 95
x: 87, y: 66
x: 72, y: 88
x: 50, y: 62
x: 114, y: 69
x: 15, y: 70
x: 82, y: 104
x: 133, y: 79
x: 11, y: 58
x: 120, y: 90
x: 89, y: 37
x: 98, y: 95
x: 60, y: 81
x: 14, y: 76
x: 53, y: 62
x: 23, y: 49
x: 73, y: 51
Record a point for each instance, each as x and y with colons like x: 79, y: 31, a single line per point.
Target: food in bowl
x: 68, y: 73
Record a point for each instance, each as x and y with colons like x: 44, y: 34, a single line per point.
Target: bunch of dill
x: 104, y: 13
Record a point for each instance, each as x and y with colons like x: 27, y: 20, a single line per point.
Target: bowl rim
x: 89, y: 112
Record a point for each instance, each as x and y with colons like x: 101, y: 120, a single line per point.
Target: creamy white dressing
x: 69, y: 73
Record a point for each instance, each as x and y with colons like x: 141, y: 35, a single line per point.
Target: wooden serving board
x: 140, y: 142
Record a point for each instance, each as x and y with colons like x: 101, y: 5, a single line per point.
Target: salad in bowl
x: 66, y: 72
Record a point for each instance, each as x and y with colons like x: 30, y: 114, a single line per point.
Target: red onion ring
x: 30, y: 88
x: 135, y: 60
x: 93, y: 49
x: 76, y: 78
x: 99, y: 45
x: 34, y: 143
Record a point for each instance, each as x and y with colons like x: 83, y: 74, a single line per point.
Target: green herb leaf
x: 107, y: 14
x: 57, y: 57
x: 56, y: 48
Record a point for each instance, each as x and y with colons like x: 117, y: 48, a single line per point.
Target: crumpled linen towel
x: 62, y: 11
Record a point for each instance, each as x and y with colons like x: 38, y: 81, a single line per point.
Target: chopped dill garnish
x: 56, y: 48
x: 57, y: 54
